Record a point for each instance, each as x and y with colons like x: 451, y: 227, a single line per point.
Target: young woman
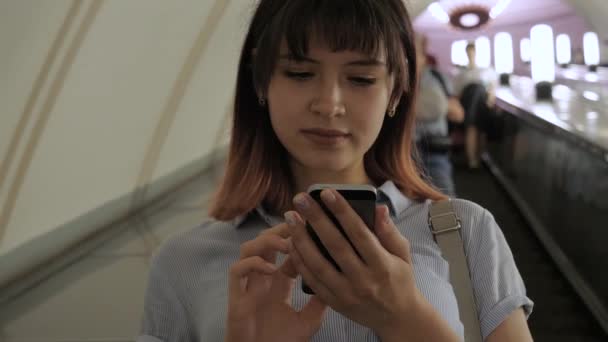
x: 325, y: 91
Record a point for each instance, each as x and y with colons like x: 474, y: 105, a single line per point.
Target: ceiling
x: 518, y: 11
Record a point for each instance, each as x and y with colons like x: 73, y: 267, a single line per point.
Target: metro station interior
x: 115, y: 124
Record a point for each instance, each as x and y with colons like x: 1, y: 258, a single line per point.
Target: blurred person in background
x: 431, y: 60
x: 434, y: 107
x: 476, y: 88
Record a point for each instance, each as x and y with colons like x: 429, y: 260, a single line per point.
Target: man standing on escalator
x: 434, y: 107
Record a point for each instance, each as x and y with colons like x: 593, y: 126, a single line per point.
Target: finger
x: 288, y: 268
x: 310, y: 277
x: 332, y: 239
x: 359, y: 234
x: 315, y: 261
x: 281, y: 230
x: 283, y: 281
x: 258, y: 284
x: 389, y: 236
x: 266, y: 246
x: 312, y: 314
x: 244, y: 268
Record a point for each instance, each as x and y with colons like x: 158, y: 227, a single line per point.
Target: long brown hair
x: 258, y: 171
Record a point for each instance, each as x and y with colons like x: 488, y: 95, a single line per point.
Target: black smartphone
x: 362, y: 198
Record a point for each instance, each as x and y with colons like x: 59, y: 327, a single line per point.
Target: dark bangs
x: 366, y: 26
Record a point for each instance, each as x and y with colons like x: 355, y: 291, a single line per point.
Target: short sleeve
x: 165, y: 318
x: 497, y: 284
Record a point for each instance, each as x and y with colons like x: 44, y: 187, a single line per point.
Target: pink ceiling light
x: 467, y: 14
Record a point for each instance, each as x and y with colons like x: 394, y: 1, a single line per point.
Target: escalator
x: 559, y: 313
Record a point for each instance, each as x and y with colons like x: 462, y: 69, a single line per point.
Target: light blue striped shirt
x: 186, y: 298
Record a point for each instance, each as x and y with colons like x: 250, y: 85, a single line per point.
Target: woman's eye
x: 299, y: 75
x: 363, y: 81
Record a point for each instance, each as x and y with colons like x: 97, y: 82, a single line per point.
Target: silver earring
x: 262, y: 101
x: 391, y: 113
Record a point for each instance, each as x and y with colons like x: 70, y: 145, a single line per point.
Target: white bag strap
x: 445, y: 226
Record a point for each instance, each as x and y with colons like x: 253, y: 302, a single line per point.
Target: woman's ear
x: 398, y: 92
x: 394, y: 102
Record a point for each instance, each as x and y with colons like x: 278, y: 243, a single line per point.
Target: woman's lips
x: 325, y: 137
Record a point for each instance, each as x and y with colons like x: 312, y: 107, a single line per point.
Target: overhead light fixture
x: 592, y: 116
x: 525, y: 50
x: 563, y: 50
x: 467, y: 14
x: 499, y: 8
x: 438, y: 12
x: 543, y: 61
x: 469, y: 20
x: 483, y: 52
x: 503, y: 56
x: 459, y: 54
x: 591, y: 47
x: 469, y: 17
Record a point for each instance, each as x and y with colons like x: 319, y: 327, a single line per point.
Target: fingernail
x: 301, y: 202
x: 290, y: 219
x: 328, y: 196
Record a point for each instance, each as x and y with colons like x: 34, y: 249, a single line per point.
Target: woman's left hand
x: 377, y: 289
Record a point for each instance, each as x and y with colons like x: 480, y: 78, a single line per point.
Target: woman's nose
x: 328, y: 100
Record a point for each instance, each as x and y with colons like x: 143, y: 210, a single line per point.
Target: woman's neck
x: 305, y: 177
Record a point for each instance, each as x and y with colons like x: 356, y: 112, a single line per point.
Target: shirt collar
x: 388, y: 192
x: 269, y: 219
x: 261, y: 213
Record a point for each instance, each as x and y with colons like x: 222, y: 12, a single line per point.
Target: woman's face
x: 328, y: 110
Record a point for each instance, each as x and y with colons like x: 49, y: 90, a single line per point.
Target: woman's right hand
x: 259, y: 303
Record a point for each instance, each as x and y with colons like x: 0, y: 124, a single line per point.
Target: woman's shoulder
x: 462, y: 207
x: 479, y: 229
x: 468, y: 209
x: 472, y: 216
